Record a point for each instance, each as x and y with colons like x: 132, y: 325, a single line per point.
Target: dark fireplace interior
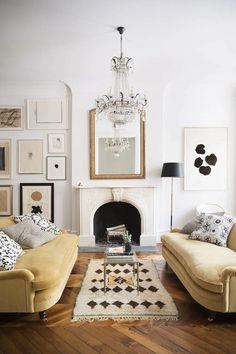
x: 113, y: 214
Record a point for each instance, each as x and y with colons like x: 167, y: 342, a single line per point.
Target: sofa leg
x: 43, y: 315
x: 211, y: 316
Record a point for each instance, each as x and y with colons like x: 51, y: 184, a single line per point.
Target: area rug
x: 121, y: 300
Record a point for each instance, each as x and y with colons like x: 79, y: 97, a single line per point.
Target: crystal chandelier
x: 122, y: 105
x: 117, y: 145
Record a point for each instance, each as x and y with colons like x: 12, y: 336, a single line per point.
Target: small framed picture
x: 30, y: 156
x: 37, y: 198
x: 6, y: 200
x: 56, y: 167
x: 5, y: 158
x: 11, y: 118
x: 56, y: 143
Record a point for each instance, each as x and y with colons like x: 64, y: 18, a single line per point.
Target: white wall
x: 184, y: 54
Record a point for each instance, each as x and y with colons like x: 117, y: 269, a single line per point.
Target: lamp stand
x: 171, y: 205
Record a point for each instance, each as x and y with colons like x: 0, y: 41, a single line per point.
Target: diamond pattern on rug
x: 121, y: 300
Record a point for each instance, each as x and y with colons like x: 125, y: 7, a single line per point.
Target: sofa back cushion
x: 4, y: 222
x: 232, y: 239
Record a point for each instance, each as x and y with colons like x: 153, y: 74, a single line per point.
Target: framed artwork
x: 6, y: 200
x: 205, y: 158
x: 56, y: 143
x: 5, y: 158
x: 56, y: 167
x: 47, y: 113
x: 37, y: 198
x: 11, y: 118
x: 30, y: 156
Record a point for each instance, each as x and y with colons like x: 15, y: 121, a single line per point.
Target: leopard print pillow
x: 9, y: 252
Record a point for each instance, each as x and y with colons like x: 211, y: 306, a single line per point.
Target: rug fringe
x: 123, y: 318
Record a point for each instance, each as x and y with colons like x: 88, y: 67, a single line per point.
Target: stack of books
x: 118, y: 254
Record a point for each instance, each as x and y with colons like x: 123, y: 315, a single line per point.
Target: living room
x: 56, y: 57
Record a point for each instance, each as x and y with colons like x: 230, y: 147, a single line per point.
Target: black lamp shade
x: 172, y: 169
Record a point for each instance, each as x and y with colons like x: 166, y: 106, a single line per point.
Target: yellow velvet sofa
x: 39, y: 276
x: 206, y: 270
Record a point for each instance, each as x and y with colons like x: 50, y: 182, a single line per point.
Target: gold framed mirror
x: 116, y: 152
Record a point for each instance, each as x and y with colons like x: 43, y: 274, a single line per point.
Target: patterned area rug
x: 121, y: 300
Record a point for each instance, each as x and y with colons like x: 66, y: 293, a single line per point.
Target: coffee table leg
x: 138, y: 277
x: 105, y: 275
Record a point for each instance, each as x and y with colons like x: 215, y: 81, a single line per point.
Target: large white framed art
x: 205, y: 158
x: 30, y: 156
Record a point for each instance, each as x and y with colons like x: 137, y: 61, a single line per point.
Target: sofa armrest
x: 23, y: 274
x: 227, y: 273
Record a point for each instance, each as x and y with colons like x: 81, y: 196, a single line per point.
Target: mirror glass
x: 116, y: 152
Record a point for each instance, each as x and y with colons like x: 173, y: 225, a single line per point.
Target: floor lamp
x: 172, y: 170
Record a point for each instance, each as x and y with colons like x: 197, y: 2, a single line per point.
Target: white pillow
x: 39, y: 220
x: 9, y: 252
x: 213, y: 229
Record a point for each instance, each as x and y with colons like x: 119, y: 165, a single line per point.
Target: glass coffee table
x: 121, y: 259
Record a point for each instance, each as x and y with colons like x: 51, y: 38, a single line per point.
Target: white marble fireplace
x: 89, y: 199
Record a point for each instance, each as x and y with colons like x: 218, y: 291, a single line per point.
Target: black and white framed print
x: 30, y: 156
x: 56, y: 167
x: 37, y: 198
x: 205, y: 158
x: 56, y: 143
x: 5, y: 158
x: 11, y: 118
x: 6, y: 200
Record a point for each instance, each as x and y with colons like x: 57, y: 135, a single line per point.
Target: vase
x: 128, y: 247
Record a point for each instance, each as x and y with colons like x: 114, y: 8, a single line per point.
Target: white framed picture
x: 205, y: 158
x: 30, y: 156
x: 56, y: 143
x: 6, y: 200
x: 56, y: 167
x: 5, y: 158
x: 11, y: 118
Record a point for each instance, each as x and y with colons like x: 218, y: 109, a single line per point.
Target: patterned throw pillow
x: 9, y: 252
x: 213, y: 229
x: 39, y: 220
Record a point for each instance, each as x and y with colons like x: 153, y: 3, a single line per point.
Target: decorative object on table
x: 37, y: 198
x: 47, y: 114
x: 127, y: 238
x: 121, y: 301
x: 56, y: 168
x: 122, y: 105
x: 205, y: 158
x: 11, y: 118
x: 56, y: 143
x: 172, y: 170
x: 5, y: 158
x: 6, y: 200
x: 30, y: 156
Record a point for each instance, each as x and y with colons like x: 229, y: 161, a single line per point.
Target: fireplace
x: 141, y: 199
x: 116, y: 213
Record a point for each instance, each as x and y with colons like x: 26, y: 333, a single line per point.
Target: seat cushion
x: 203, y: 261
x: 48, y: 262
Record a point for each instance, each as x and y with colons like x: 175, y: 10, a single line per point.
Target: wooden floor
x: 25, y: 333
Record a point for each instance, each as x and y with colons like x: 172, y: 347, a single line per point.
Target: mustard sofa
x: 206, y: 270
x: 39, y: 276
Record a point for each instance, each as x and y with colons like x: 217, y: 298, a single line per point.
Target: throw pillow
x: 213, y: 229
x: 9, y: 252
x: 28, y: 234
x: 39, y: 220
x: 191, y: 225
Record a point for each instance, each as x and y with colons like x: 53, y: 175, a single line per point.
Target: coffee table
x: 130, y: 260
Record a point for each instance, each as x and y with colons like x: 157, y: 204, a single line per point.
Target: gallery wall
x: 184, y: 59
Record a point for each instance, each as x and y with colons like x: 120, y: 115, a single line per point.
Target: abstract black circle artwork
x: 210, y: 160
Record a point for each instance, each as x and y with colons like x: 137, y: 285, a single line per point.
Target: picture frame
x: 205, y: 158
x: 37, y: 198
x: 56, y: 143
x: 6, y: 199
x: 11, y: 117
x: 5, y: 158
x: 30, y: 156
x: 56, y: 168
x: 51, y: 113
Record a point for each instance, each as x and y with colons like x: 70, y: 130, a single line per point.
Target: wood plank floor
x: 25, y: 333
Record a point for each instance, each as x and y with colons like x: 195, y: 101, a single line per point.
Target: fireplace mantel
x: 89, y: 199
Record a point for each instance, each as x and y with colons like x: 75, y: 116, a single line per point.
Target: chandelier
x: 117, y: 145
x: 121, y: 106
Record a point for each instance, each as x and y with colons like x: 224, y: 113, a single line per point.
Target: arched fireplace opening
x: 112, y: 215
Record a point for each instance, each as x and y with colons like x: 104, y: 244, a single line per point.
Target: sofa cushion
x: 203, y: 261
x: 39, y: 220
x: 213, y: 228
x: 47, y: 262
x: 28, y: 234
x: 9, y: 252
